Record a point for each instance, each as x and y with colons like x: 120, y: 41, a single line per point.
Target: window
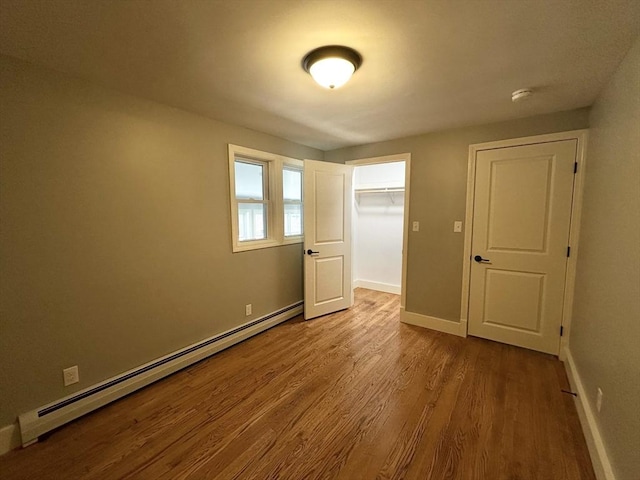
x: 252, y: 197
x: 266, y: 199
x: 292, y: 197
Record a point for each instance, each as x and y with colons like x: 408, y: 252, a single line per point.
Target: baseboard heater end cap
x: 28, y: 433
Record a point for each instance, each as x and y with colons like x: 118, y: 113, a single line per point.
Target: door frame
x: 399, y: 157
x: 574, y: 230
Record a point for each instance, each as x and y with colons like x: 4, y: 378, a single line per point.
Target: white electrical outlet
x: 416, y: 226
x: 599, y: 400
x: 457, y: 226
x: 70, y: 375
x: 247, y: 309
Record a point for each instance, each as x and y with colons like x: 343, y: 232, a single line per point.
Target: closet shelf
x: 379, y: 190
x: 388, y: 190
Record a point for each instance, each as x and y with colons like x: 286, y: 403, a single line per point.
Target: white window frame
x: 267, y: 195
x: 274, y: 199
x: 299, y: 167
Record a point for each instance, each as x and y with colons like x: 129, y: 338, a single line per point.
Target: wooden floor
x: 353, y: 395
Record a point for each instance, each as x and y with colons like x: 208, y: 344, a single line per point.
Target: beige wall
x: 438, y: 197
x: 116, y: 248
x: 115, y: 235
x: 605, y: 334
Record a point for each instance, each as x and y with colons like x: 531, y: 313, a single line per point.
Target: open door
x: 327, y: 238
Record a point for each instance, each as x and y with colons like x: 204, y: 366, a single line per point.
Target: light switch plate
x: 457, y: 226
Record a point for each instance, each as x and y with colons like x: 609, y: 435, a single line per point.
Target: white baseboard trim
x: 378, y: 286
x: 434, y: 323
x: 9, y: 438
x: 50, y: 416
x: 599, y: 457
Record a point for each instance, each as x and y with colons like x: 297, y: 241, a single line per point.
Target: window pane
x: 292, y: 220
x: 252, y: 221
x: 249, y: 181
x: 292, y: 184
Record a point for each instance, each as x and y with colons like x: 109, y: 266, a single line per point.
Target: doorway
x: 379, y: 222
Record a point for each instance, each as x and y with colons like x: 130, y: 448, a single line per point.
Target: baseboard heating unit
x: 50, y: 416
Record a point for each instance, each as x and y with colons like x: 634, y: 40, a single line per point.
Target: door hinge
x: 575, y: 167
x: 561, y: 330
x: 568, y: 252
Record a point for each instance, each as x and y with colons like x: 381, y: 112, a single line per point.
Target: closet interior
x: 378, y: 217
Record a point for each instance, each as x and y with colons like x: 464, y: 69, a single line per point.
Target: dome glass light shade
x: 332, y: 72
x: 332, y: 66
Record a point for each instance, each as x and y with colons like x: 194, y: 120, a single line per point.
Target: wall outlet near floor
x: 457, y: 226
x: 416, y: 226
x: 248, y: 309
x: 70, y: 375
x: 599, y: 400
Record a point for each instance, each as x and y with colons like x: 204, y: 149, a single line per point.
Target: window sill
x: 254, y: 245
x: 292, y: 240
x: 260, y: 244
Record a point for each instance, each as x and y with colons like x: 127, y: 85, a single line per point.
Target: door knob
x: 310, y: 252
x: 479, y: 259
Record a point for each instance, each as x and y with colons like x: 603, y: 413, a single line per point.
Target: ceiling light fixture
x: 521, y: 94
x: 332, y: 66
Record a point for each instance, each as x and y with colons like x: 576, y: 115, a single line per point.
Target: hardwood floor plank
x: 435, y: 448
x: 352, y: 395
x: 369, y: 455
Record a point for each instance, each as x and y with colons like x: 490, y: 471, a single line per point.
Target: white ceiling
x: 428, y: 65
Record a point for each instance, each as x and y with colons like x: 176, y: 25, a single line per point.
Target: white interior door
x: 521, y: 220
x: 327, y: 238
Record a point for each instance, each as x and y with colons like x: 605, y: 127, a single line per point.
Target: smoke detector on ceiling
x: 521, y: 94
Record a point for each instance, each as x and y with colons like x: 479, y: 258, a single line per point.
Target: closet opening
x: 379, y: 223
